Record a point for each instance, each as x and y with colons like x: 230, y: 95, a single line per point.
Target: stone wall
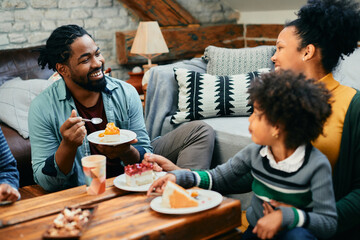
x: 25, y: 23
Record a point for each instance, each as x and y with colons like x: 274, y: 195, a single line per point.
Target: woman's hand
x: 160, y: 163
x: 159, y: 185
x: 8, y: 193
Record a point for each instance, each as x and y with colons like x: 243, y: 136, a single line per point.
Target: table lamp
x: 149, y: 42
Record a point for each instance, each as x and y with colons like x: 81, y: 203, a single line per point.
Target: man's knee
x: 203, y: 128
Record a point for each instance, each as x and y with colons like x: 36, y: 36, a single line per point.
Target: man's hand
x: 159, y: 184
x: 73, y: 131
x: 160, y: 163
x: 8, y: 193
x: 119, y: 151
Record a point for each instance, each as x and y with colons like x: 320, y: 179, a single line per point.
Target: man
x: 58, y: 134
x: 9, y: 175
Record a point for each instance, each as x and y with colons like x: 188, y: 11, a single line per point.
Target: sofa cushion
x: 23, y: 63
x: 15, y: 98
x: 227, y: 61
x: 203, y: 95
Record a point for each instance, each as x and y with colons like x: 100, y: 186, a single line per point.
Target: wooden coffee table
x: 119, y: 215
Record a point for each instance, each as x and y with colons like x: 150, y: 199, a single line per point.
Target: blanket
x: 162, y: 93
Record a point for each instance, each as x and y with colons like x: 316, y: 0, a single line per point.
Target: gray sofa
x: 162, y: 98
x: 231, y: 132
x: 162, y: 102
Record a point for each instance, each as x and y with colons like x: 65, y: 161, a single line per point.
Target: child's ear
x: 276, y: 132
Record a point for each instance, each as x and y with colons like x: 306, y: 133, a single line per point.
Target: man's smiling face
x: 86, y: 64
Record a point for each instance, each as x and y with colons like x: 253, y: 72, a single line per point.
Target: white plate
x: 207, y: 199
x: 120, y: 182
x: 125, y: 136
x: 5, y: 202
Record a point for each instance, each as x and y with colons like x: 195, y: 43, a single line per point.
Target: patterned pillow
x: 227, y: 61
x: 203, y: 95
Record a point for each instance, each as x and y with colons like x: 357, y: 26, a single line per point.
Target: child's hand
x: 267, y: 208
x: 159, y: 184
x: 269, y: 225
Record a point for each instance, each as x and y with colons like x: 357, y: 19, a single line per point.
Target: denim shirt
x: 8, y: 171
x: 51, y: 108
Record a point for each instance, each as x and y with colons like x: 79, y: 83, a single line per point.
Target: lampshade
x: 149, y: 41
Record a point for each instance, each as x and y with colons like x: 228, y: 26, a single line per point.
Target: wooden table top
x: 120, y: 215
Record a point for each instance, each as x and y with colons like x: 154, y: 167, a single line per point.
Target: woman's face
x: 287, y: 55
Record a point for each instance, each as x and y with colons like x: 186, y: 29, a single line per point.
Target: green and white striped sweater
x: 309, y: 189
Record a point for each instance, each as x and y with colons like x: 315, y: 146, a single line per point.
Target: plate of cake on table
x: 138, y: 177
x: 112, y: 136
x: 177, y: 200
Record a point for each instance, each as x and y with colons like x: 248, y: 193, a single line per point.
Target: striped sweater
x: 309, y: 189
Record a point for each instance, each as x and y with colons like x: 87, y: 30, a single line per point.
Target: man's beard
x: 94, y: 86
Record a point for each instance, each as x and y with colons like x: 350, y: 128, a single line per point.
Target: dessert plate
x: 125, y: 136
x: 207, y: 199
x: 120, y: 182
x: 5, y: 202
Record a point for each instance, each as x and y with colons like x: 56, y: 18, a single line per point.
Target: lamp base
x: 147, y: 67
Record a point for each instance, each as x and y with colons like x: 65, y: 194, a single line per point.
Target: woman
x: 313, y: 44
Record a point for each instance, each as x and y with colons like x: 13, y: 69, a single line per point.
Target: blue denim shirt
x: 50, y: 109
x: 8, y: 171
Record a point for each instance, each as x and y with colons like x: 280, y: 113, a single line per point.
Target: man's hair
x: 333, y: 26
x: 297, y: 105
x: 57, y: 48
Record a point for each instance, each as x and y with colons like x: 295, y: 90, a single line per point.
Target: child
x: 290, y: 174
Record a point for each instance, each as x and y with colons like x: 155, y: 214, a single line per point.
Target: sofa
x: 164, y: 98
x: 19, y: 63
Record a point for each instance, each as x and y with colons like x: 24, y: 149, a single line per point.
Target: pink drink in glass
x: 94, y: 167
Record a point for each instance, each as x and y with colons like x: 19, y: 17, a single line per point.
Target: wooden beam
x: 166, y: 12
x: 183, y: 42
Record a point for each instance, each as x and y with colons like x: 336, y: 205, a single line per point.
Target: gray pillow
x: 228, y: 61
x: 15, y: 98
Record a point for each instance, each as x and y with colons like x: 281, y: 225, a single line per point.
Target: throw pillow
x: 203, y: 95
x: 15, y: 98
x: 227, y: 61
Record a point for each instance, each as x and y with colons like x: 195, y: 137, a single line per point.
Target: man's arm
x: 45, y: 120
x: 73, y: 132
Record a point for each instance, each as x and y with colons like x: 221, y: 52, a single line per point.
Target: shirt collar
x: 290, y: 164
x: 330, y: 82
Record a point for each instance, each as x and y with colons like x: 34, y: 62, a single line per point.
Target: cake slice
x: 139, y: 174
x: 111, y: 134
x: 175, y: 196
